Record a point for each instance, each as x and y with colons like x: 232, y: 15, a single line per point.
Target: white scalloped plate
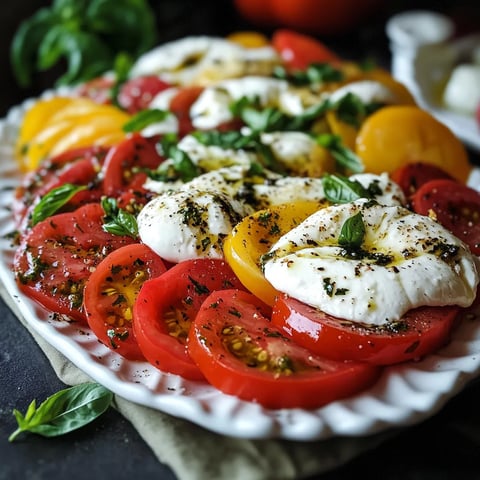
x: 404, y: 395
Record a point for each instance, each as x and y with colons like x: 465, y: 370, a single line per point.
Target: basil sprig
x: 340, y: 189
x: 52, y: 201
x: 352, y: 233
x: 64, y: 411
x: 87, y: 34
x: 271, y: 119
x: 179, y: 167
x: 144, y: 118
x: 315, y: 73
x: 237, y: 140
x: 117, y: 220
x: 352, y: 110
x: 344, y: 157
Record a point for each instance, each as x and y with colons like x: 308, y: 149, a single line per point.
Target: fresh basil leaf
x: 237, y: 140
x: 86, y: 55
x: 350, y: 109
x: 121, y: 66
x: 54, y: 200
x: 340, y: 189
x: 345, y: 158
x: 118, y: 221
x: 353, y: 111
x: 272, y: 119
x: 314, y: 74
x: 129, y: 25
x: 323, y: 73
x: 64, y: 411
x: 86, y: 34
x: 266, y: 120
x: 180, y: 167
x: 144, y: 118
x: 352, y: 233
x: 69, y: 10
x: 24, y: 48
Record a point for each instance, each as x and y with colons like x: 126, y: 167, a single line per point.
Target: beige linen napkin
x: 217, y: 457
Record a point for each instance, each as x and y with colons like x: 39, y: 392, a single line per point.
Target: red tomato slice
x: 111, y: 291
x: 99, y: 90
x: 239, y: 351
x: 136, y: 94
x: 57, y: 255
x: 165, y: 307
x: 411, y: 176
x: 78, y: 167
x: 120, y: 171
x: 453, y: 204
x: 422, y: 331
x: 180, y: 106
x: 298, y: 51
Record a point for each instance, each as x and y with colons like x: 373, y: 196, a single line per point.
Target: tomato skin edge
x: 332, y: 340
x: 96, y: 311
x: 160, y: 349
x: 182, y: 287
x: 309, y: 390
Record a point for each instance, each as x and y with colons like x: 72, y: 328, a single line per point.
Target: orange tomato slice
x: 396, y: 135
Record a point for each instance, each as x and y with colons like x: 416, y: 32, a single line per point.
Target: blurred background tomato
x: 322, y: 17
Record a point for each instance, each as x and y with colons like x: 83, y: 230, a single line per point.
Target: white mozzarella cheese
x: 386, y: 191
x: 408, y: 260
x: 368, y: 91
x: 188, y: 224
x: 213, y: 105
x: 203, y: 60
x: 462, y: 92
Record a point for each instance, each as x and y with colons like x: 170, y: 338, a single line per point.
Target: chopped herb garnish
x: 200, y: 288
x: 345, y: 158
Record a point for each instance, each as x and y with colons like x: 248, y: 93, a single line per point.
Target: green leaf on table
x: 64, y: 411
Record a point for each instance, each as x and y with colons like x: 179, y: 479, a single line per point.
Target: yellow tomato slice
x: 91, y: 131
x: 400, y: 91
x: 396, y: 135
x: 402, y: 96
x: 249, y: 39
x: 40, y: 112
x: 346, y: 131
x: 58, y: 124
x: 255, y: 235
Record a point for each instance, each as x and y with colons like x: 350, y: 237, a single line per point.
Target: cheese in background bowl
x: 462, y: 90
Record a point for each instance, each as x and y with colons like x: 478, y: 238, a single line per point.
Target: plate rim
x: 397, y: 399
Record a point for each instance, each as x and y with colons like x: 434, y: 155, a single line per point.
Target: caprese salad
x: 256, y: 213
